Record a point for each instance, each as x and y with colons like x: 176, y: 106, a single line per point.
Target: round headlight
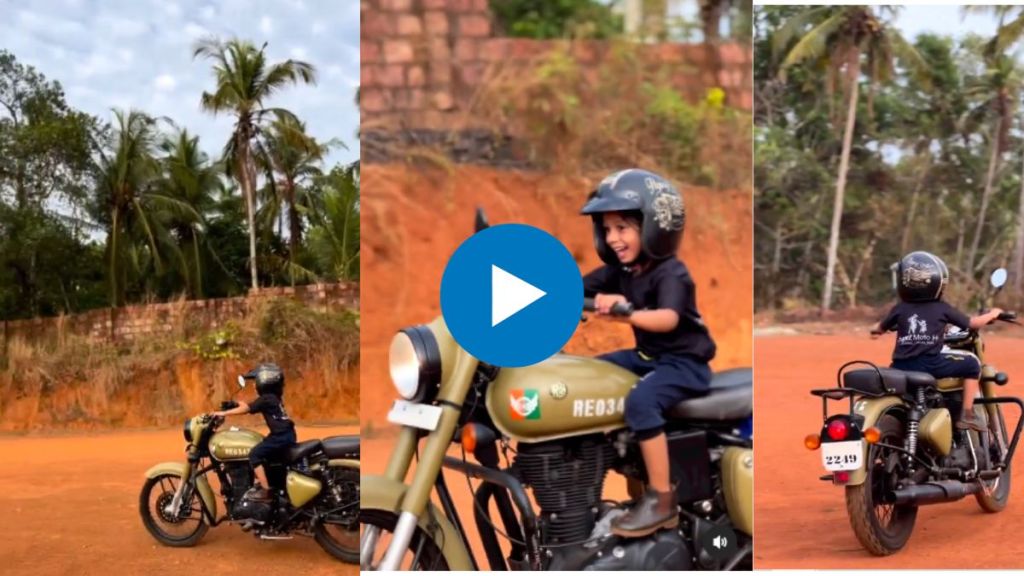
x: 188, y: 430
x: 415, y: 363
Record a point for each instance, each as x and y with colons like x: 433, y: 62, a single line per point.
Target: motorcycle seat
x: 730, y: 397
x: 302, y: 450
x: 892, y: 381
x: 341, y: 446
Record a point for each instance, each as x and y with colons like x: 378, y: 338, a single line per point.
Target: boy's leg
x: 960, y: 364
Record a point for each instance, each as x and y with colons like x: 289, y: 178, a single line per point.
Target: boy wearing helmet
x: 270, y: 403
x: 638, y: 224
x: 920, y: 321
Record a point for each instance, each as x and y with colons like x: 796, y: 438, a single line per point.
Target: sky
x: 137, y: 53
x: 944, y: 20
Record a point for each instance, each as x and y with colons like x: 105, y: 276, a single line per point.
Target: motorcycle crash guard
x: 871, y: 409
x: 182, y: 470
x: 382, y: 493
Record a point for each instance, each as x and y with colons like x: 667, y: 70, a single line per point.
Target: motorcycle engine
x: 567, y: 478
x: 241, y: 478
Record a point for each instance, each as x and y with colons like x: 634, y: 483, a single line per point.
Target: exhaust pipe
x: 936, y: 492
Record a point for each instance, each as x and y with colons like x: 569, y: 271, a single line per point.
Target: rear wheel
x: 182, y: 530
x: 996, y: 493
x: 882, y: 528
x: 338, y: 531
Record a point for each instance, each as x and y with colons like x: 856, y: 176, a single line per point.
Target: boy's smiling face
x: 623, y: 236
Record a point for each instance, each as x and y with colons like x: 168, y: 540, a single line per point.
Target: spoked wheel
x: 181, y: 530
x: 338, y: 532
x: 881, y: 527
x: 423, y: 553
x: 996, y: 492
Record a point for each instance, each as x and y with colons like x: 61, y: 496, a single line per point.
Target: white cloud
x: 299, y: 53
x: 165, y: 82
x: 208, y: 13
x: 193, y: 31
x: 319, y: 28
x: 120, y: 27
x: 334, y: 70
x: 266, y: 25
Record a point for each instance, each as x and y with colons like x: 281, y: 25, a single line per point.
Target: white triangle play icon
x: 509, y: 295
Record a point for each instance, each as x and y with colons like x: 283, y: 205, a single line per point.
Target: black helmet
x: 269, y: 379
x: 921, y: 277
x: 657, y: 200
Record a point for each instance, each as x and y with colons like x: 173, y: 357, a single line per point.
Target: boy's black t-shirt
x: 667, y: 284
x: 272, y: 408
x: 920, y: 327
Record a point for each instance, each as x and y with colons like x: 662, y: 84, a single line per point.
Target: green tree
x: 244, y: 81
x: 334, y: 236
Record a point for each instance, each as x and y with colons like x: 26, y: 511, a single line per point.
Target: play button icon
x: 511, y: 295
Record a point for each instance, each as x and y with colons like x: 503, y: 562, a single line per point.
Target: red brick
x: 467, y: 50
x: 435, y: 4
x: 377, y: 24
x: 671, y: 53
x: 481, y: 5
x: 440, y: 73
x: 374, y: 100
x: 396, y: 5
x: 443, y: 100
x: 439, y: 49
x: 415, y: 77
x: 409, y: 25
x: 398, y: 51
x: 474, y: 25
x: 409, y: 99
x: 585, y: 52
x: 369, y: 52
x: 746, y: 100
x: 524, y: 49
x: 391, y: 76
x: 494, y: 50
x: 472, y: 74
x: 733, y: 54
x: 436, y: 23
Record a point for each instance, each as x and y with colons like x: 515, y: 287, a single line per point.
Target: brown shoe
x: 258, y: 494
x: 970, y: 421
x: 654, y: 511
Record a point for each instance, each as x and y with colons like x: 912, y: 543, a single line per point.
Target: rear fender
x: 871, y: 409
x: 183, y: 470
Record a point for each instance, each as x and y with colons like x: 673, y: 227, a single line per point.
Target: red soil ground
x: 800, y: 521
x: 71, y: 507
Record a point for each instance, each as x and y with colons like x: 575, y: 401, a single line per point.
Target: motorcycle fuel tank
x: 234, y: 444
x: 559, y: 397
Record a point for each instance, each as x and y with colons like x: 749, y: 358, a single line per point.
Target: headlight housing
x: 188, y: 430
x: 415, y: 363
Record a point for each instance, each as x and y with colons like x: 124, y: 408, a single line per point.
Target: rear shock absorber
x: 913, y: 420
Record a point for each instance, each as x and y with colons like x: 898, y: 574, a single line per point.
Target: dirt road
x: 801, y: 522
x: 71, y: 507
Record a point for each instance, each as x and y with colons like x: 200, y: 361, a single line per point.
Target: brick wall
x: 129, y: 322
x: 423, y: 61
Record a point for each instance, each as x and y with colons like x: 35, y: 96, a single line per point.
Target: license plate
x: 422, y: 416
x: 839, y: 456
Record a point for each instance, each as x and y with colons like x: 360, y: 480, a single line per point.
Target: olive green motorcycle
x: 894, y: 447
x: 562, y: 421
x: 315, y: 492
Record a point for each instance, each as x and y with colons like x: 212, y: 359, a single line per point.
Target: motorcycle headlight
x: 415, y: 363
x: 188, y: 430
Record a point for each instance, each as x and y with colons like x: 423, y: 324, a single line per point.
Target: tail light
x: 841, y: 477
x: 838, y: 429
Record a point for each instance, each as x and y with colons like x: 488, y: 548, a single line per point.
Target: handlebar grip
x: 228, y: 405
x: 619, y: 309
x: 1007, y: 316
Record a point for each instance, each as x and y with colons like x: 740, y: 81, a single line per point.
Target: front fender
x: 383, y: 493
x: 871, y: 409
x: 182, y: 470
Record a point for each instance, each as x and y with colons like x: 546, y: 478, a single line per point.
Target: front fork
x: 184, y: 489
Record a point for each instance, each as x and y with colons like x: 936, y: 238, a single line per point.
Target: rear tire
x: 345, y: 545
x: 882, y: 529
x: 1000, y: 495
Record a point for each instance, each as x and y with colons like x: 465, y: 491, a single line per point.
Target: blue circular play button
x: 512, y: 295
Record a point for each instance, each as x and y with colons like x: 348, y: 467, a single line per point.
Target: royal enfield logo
x: 598, y: 407
x: 236, y: 451
x: 525, y: 404
x: 558, y: 390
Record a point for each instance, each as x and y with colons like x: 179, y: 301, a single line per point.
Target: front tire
x: 881, y: 528
x: 182, y: 532
x: 997, y: 495
x: 423, y: 554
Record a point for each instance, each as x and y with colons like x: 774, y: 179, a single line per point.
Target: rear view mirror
x: 481, y: 220
x: 998, y: 278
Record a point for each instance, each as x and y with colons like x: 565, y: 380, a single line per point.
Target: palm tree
x: 244, y: 80
x: 292, y: 160
x: 334, y: 237
x: 843, y: 39
x: 136, y: 208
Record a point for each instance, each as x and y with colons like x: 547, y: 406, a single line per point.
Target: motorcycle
x: 565, y: 416
x: 314, y: 492
x: 895, y: 448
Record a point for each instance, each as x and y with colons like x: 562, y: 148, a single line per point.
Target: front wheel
x: 882, y: 528
x: 996, y: 492
x: 182, y: 530
x: 338, y: 531
x: 377, y: 525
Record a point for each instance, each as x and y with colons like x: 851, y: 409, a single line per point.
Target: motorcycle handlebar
x: 1007, y: 316
x: 619, y: 309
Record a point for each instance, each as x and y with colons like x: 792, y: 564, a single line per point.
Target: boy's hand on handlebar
x: 604, y: 302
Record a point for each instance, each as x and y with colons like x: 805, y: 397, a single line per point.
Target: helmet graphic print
x: 269, y: 379
x: 921, y: 277
x: 654, y: 197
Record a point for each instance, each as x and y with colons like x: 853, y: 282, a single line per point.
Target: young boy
x: 270, y: 387
x: 638, y: 224
x: 920, y: 321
